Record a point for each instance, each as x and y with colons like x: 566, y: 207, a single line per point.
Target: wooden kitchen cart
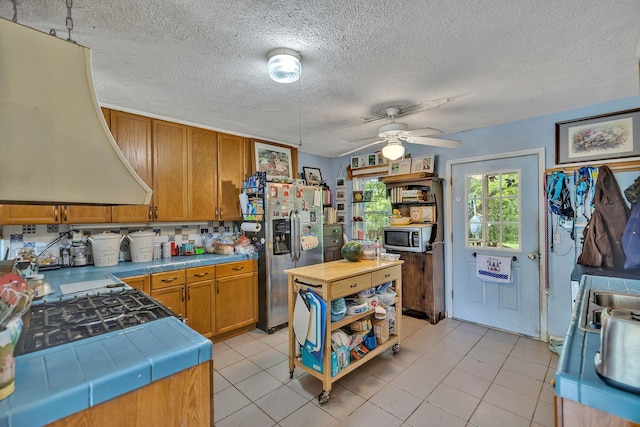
x: 332, y: 280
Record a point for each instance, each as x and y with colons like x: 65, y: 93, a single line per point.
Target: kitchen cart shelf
x: 336, y: 279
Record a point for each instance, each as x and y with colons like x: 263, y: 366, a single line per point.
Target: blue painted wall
x: 519, y: 135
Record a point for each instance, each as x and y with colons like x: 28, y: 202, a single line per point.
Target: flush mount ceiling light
x: 393, y: 150
x: 284, y: 65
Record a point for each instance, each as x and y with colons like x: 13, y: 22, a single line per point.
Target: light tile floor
x: 450, y: 374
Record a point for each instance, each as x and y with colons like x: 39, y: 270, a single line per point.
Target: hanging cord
x: 15, y: 10
x: 546, y: 238
x: 299, y: 113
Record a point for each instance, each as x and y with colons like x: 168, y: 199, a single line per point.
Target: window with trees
x: 373, y: 213
x: 493, y: 210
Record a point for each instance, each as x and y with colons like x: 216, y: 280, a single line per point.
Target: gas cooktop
x: 60, y: 322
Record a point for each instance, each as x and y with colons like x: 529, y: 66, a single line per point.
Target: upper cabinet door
x: 231, y: 174
x: 73, y: 214
x: 133, y: 135
x: 170, y: 171
x: 203, y: 160
x: 30, y: 214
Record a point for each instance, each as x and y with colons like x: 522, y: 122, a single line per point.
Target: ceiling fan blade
x: 362, y: 148
x: 369, y: 139
x: 437, y: 142
x: 423, y: 132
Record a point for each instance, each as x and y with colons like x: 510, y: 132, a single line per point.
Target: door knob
x: 532, y: 255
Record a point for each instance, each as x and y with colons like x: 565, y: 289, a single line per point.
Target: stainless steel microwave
x: 408, y: 238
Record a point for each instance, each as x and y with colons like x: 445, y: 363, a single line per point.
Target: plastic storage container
x: 141, y: 245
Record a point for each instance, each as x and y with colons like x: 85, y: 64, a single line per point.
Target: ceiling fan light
x: 393, y: 150
x: 284, y: 65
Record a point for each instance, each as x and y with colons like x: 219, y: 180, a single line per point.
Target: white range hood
x: 55, y: 146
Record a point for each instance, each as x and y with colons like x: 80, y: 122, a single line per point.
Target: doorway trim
x: 448, y: 285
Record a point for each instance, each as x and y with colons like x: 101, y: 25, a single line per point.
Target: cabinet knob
x: 238, y: 268
x: 201, y: 274
x: 169, y: 280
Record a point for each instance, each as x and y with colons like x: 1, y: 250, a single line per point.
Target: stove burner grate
x: 60, y: 322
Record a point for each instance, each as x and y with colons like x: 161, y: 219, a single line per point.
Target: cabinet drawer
x: 233, y: 268
x: 167, y: 279
x: 383, y: 276
x: 332, y: 230
x: 198, y: 274
x: 352, y: 285
x: 332, y: 242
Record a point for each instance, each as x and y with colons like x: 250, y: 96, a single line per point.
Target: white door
x: 495, y: 220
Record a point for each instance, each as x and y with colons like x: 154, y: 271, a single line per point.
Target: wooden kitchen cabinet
x: 168, y: 288
x: 55, y: 214
x: 230, y: 175
x: 132, y: 133
x: 332, y: 242
x: 236, y: 298
x: 202, y: 160
x: 139, y: 282
x: 188, y: 293
x: 169, y: 171
x: 200, y: 299
x: 422, y: 272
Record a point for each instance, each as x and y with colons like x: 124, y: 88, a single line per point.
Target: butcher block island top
x: 330, y: 281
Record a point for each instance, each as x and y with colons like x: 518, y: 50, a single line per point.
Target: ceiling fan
x: 395, y: 133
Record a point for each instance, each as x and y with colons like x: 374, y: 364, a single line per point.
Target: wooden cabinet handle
x: 188, y: 294
x: 156, y: 211
x: 201, y: 274
x: 169, y: 280
x: 150, y: 213
x: 217, y: 288
x: 182, y: 294
x: 238, y: 268
x: 387, y: 275
x: 354, y: 285
x: 66, y: 213
x: 55, y: 214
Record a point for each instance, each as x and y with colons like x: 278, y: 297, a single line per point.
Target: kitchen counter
x: 580, y: 270
x: 62, y: 276
x: 576, y: 377
x: 57, y: 382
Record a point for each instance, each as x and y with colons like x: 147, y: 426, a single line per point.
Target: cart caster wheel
x: 290, y: 374
x: 396, y: 348
x: 323, y: 397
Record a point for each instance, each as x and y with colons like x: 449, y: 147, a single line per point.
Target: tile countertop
x: 63, y: 276
x: 54, y: 383
x: 576, y: 377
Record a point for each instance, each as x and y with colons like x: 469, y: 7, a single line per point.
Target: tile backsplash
x: 14, y: 237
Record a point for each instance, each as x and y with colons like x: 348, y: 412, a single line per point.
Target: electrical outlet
x: 556, y: 238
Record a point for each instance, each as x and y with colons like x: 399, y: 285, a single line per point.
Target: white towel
x: 493, y: 268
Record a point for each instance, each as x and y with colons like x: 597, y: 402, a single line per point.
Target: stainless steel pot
x: 618, y: 361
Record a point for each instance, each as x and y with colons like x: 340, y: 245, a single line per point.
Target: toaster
x: 617, y: 362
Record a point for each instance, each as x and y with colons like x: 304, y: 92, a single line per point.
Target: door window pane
x: 493, y: 210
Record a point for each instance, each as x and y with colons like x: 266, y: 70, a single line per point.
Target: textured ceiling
x: 461, y: 64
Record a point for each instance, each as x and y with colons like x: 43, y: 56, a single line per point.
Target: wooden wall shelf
x: 623, y: 166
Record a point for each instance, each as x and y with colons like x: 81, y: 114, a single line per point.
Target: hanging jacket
x: 603, y: 234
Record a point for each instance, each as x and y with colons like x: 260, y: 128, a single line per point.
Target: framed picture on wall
x: 274, y: 160
x: 608, y: 136
x: 341, y: 195
x: 422, y: 164
x: 340, y: 183
x: 399, y: 167
x: 313, y: 176
x: 340, y: 206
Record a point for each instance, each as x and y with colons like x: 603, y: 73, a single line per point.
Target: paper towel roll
x: 251, y: 226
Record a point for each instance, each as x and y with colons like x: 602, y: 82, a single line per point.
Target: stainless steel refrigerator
x: 292, y: 233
